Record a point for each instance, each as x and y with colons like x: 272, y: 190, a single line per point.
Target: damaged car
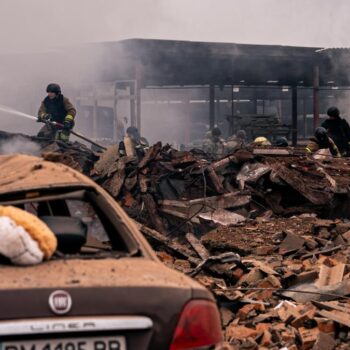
x: 103, y: 288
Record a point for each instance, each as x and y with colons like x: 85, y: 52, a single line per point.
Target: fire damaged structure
x: 185, y: 88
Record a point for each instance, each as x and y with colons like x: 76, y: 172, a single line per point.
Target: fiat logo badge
x: 60, y: 302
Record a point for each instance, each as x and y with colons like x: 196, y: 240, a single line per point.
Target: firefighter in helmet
x: 58, y: 113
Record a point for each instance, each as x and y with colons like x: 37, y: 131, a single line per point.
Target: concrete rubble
x: 266, y: 230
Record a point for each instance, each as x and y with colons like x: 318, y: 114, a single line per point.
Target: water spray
x: 28, y: 116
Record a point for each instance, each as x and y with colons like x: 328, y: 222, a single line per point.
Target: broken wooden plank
x: 272, y: 151
x: 330, y: 275
x: 151, y: 208
x: 189, y: 208
x: 217, y: 183
x: 197, y: 246
x: 115, y: 184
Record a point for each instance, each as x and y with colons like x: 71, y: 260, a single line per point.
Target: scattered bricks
x: 325, y: 325
x: 324, y: 341
x: 266, y: 339
x: 306, y: 313
x: 234, y: 331
x: 249, y: 310
x: 310, y: 243
x: 274, y: 281
x: 265, y: 250
x: 308, y: 337
x: 252, y: 277
x: 237, y: 273
x: 324, y: 233
x: 165, y: 258
x: 226, y: 316
x: 346, y: 236
x: 288, y: 336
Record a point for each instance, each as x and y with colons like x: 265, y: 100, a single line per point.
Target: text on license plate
x: 101, y: 343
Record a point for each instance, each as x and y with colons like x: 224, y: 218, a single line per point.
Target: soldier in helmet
x: 338, y: 130
x: 214, y: 144
x: 56, y: 108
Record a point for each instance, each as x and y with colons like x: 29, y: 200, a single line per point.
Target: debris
x: 263, y: 229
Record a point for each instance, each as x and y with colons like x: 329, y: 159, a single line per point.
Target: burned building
x: 177, y: 90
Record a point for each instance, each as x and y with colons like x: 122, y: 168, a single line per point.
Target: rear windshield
x: 75, y: 218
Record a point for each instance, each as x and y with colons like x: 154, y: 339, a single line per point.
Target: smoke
x: 40, y: 40
x: 20, y: 145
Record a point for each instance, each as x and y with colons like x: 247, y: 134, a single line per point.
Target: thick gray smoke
x: 20, y: 145
x: 39, y: 39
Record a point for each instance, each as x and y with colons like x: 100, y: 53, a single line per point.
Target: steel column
x: 294, y: 115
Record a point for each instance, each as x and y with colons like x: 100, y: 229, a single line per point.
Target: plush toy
x: 24, y: 238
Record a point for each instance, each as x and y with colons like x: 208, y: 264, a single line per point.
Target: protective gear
x: 281, y: 142
x: 63, y: 135
x: 262, y: 141
x: 68, y: 123
x: 241, y: 135
x: 61, y: 111
x: 44, y: 117
x: 133, y: 132
x: 338, y: 130
x: 333, y: 112
x: 322, y: 141
x: 53, y: 88
x: 321, y: 134
x: 133, y: 144
x: 216, y: 132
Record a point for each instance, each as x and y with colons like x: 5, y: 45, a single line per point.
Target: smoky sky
x: 36, y: 25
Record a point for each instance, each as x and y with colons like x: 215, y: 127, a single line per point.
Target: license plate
x: 100, y: 343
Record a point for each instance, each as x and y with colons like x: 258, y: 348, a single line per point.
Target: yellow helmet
x: 263, y: 141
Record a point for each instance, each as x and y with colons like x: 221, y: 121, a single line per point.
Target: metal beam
x: 211, y: 106
x: 316, y: 95
x: 294, y: 115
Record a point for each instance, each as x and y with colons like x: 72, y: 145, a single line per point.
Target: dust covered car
x: 103, y: 288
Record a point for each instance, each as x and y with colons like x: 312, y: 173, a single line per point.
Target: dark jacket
x: 338, y: 130
x: 58, y: 107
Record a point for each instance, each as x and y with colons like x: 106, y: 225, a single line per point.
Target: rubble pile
x: 281, y: 283
x: 265, y: 229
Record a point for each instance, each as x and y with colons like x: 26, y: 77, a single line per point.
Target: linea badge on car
x: 60, y: 302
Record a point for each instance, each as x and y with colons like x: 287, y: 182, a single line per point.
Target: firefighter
x: 214, y: 143
x: 261, y: 141
x: 56, y: 108
x: 281, y: 141
x: 236, y: 141
x: 322, y: 141
x: 133, y: 144
x: 338, y: 130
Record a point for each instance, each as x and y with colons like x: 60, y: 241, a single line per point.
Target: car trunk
x: 133, y: 298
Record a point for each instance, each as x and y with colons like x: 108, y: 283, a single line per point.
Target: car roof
x: 22, y: 173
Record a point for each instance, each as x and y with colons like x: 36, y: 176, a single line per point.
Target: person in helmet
x: 261, y: 141
x: 236, y: 141
x: 338, y: 130
x: 56, y: 108
x: 322, y: 141
x: 281, y: 142
x: 215, y: 144
x: 133, y: 144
